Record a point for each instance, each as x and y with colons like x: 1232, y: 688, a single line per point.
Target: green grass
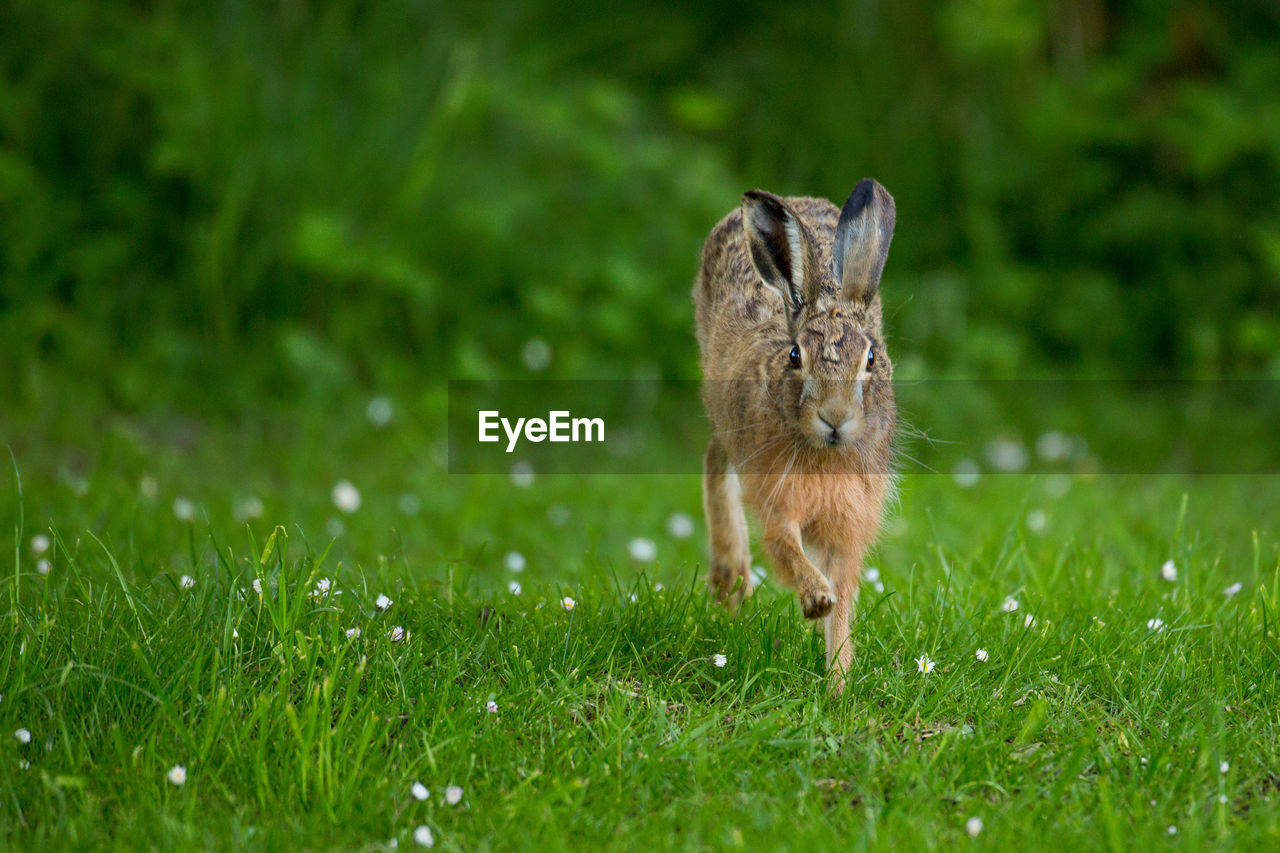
x: 614, y: 727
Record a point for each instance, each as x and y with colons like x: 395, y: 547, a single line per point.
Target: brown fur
x: 812, y: 484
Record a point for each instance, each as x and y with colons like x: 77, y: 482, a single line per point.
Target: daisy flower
x: 39, y: 544
x: 642, y: 550
x: 419, y: 791
x: 568, y: 603
x: 1233, y: 589
x: 452, y: 795
x: 398, y: 634
x: 981, y: 655
x: 973, y: 826
x: 1156, y: 625
x: 719, y: 660
x: 353, y: 633
x: 680, y: 526
x: 423, y: 836
x: 1010, y: 604
x: 1169, y: 571
x: 23, y: 736
x: 1029, y: 622
x: 184, y: 509
x: 491, y: 706
x: 177, y: 775
x: 514, y: 561
x: 1224, y: 767
x: 383, y: 602
x: 514, y: 587
x: 346, y: 497
x: 186, y: 582
x: 924, y: 664
x: 44, y: 567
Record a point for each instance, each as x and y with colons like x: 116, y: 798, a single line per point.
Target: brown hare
x: 796, y: 383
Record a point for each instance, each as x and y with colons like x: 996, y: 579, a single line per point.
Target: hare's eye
x: 871, y: 357
x: 796, y: 361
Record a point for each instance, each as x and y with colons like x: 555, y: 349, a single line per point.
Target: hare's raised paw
x: 817, y: 602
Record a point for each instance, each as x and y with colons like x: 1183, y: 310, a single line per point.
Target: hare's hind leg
x: 729, y: 576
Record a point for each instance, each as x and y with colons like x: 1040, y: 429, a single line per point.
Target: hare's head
x: 833, y: 369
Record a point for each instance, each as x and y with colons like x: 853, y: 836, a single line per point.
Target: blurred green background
x: 209, y: 205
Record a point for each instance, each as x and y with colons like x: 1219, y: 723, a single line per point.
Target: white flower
x: 177, y: 775
x: 568, y: 603
x: 1169, y: 571
x: 1233, y: 589
x: 1224, y: 767
x: 522, y: 475
x: 1029, y: 621
x: 973, y: 826
x: 491, y: 706
x: 536, y: 354
x: 247, y: 509
x: 1006, y: 454
x: 642, y: 550
x: 398, y: 634
x: 383, y: 602
x: 184, y: 509
x: 423, y: 836
x: 257, y: 585
x: 966, y: 473
x: 1156, y: 625
x: 23, y: 736
x: 924, y: 664
x: 1010, y: 604
x: 346, y: 497
x: 871, y: 574
x: 981, y: 655
x: 353, y: 633
x: 39, y: 544
x: 452, y: 795
x: 514, y: 561
x: 719, y: 660
x: 1173, y: 830
x: 323, y: 585
x: 44, y: 567
x: 419, y: 791
x: 1037, y: 521
x: 658, y: 587
x: 514, y: 587
x: 379, y: 411
x: 1222, y: 798
x: 186, y: 582
x: 680, y: 526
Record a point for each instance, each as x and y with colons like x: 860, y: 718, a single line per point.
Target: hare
x: 797, y: 387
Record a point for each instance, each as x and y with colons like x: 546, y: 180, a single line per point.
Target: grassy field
x: 180, y: 619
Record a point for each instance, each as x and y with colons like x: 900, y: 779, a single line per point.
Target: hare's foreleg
x: 730, y: 573
x: 782, y: 541
x: 843, y: 570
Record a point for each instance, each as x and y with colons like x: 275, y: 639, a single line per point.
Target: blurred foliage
x: 290, y: 196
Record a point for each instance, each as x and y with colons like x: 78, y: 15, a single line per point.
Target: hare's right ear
x: 862, y: 240
x: 779, y: 248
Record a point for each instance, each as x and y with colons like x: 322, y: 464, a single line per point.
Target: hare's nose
x: 835, y: 420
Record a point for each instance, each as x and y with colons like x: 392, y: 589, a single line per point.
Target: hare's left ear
x: 780, y: 249
x: 862, y: 240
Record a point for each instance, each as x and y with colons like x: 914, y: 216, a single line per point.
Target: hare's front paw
x: 817, y: 601
x: 730, y: 583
